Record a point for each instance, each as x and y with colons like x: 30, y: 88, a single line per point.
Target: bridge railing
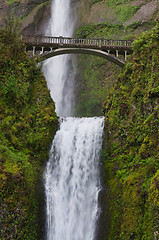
x: 63, y: 41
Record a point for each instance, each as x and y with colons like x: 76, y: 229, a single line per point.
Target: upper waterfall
x: 60, y: 71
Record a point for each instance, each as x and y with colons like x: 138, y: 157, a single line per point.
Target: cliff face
x: 132, y: 144
x: 28, y: 122
x: 130, y: 155
x: 109, y: 20
x: 37, y: 20
x: 34, y: 14
x: 117, y: 12
x: 131, y: 109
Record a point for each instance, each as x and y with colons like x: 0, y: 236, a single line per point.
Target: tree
x: 13, y: 25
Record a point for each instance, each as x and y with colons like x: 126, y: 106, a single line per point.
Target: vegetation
x: 117, y: 2
x: 114, y: 31
x: 21, y: 1
x: 103, y: 30
x: 11, y: 1
x: 28, y: 121
x: 95, y: 1
x: 131, y: 154
x: 96, y: 75
x: 95, y: 84
x: 123, y: 9
x: 131, y: 151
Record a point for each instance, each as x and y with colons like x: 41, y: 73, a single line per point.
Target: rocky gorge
x: 127, y: 98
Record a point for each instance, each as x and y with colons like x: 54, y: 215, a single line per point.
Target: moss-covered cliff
x: 109, y: 20
x: 34, y: 14
x: 131, y: 129
x: 28, y: 122
x: 117, y: 11
x: 131, y: 156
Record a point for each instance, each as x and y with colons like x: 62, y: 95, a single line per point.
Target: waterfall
x: 72, y: 172
x: 60, y: 70
x: 72, y: 179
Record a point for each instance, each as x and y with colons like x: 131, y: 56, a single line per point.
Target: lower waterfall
x: 72, y: 181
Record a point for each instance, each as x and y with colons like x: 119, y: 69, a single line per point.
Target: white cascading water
x: 57, y: 70
x: 72, y: 179
x: 72, y: 173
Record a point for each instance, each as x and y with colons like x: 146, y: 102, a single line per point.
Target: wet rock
x: 145, y: 13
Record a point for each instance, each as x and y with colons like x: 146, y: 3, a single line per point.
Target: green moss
x: 122, y: 9
x: 97, y: 76
x: 28, y: 122
x: 132, y: 136
x: 21, y: 1
x: 117, y: 2
x: 95, y: 1
x: 94, y: 85
x: 125, y: 12
x: 103, y: 30
x: 11, y: 1
x: 154, y: 193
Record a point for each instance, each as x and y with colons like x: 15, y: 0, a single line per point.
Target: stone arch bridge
x: 43, y: 47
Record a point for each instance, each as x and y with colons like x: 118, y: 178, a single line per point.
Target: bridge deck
x: 56, y: 42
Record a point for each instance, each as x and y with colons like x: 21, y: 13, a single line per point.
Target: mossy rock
x: 28, y: 123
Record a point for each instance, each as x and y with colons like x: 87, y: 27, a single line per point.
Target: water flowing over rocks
x: 60, y: 71
x: 72, y: 179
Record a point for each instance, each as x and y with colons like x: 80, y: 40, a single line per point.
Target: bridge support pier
x: 100, y: 42
x: 117, y: 53
x: 42, y: 50
x: 61, y: 40
x: 33, y: 51
x: 125, y: 55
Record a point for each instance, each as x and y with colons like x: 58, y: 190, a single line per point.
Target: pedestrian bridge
x: 43, y: 47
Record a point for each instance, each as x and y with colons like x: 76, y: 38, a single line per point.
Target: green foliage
x: 94, y: 85
x: 131, y: 127
x: 117, y: 2
x: 147, y: 40
x: 132, y: 137
x: 11, y: 1
x: 125, y: 12
x: 84, y: 31
x: 96, y: 1
x: 104, y: 30
x: 12, y: 25
x: 97, y: 75
x: 122, y: 9
x: 28, y: 122
x: 112, y: 31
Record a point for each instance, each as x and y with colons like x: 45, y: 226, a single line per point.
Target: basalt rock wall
x: 33, y: 14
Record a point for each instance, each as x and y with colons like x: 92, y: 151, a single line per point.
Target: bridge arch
x: 95, y: 52
x: 44, y: 47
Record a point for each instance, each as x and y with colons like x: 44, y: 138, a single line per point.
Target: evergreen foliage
x: 131, y: 155
x: 28, y: 121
